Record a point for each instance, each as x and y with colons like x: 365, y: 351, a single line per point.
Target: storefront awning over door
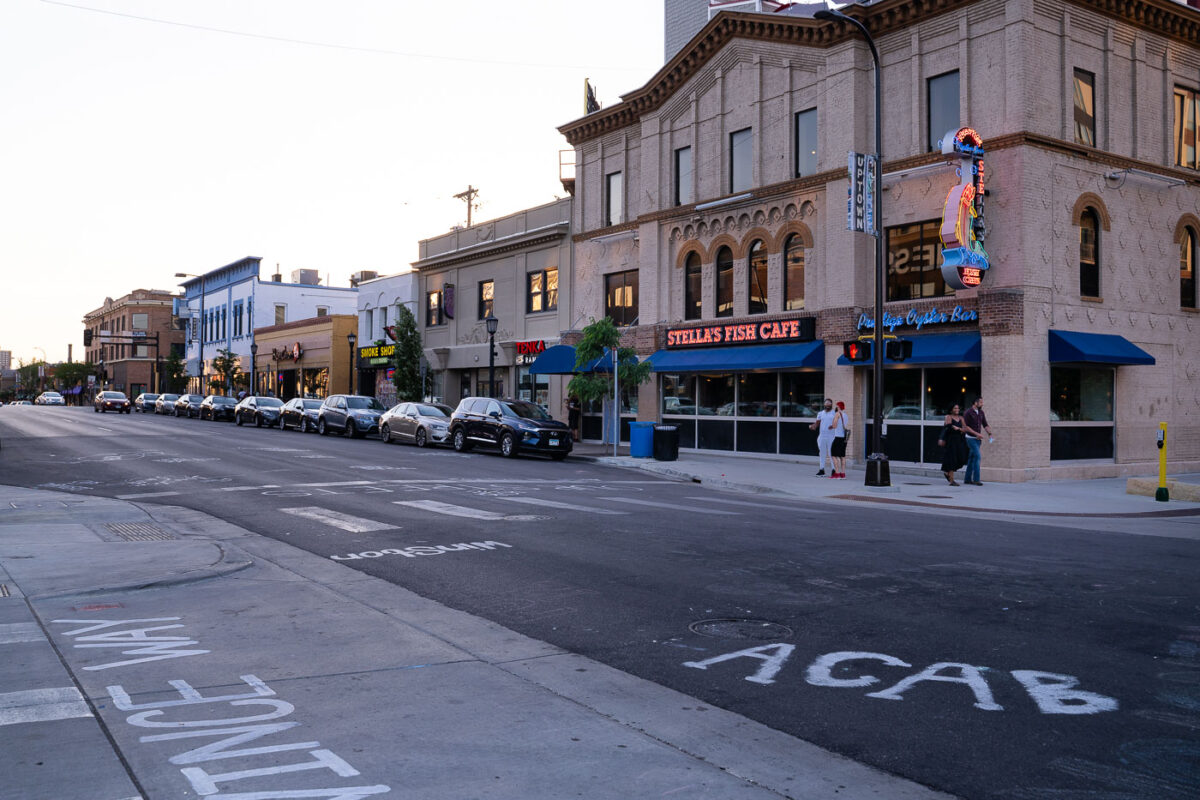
x: 560, y: 360
x: 1095, y: 348
x: 730, y: 359
x: 939, y: 348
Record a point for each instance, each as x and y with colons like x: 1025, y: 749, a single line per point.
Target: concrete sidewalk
x: 156, y: 652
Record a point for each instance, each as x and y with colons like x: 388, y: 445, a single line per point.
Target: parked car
x: 300, y: 413
x: 419, y: 423
x: 217, y: 406
x: 259, y: 410
x: 513, y: 426
x: 111, y: 401
x: 50, y: 399
x: 903, y: 412
x: 165, y: 403
x: 349, y: 414
x: 188, y: 405
x: 144, y: 402
x: 22, y: 403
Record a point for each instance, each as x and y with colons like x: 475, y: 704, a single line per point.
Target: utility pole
x: 469, y: 197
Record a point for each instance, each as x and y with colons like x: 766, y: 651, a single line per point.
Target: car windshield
x: 149, y: 397
x: 269, y: 402
x: 433, y: 411
x: 520, y: 408
x: 171, y: 397
x: 222, y: 400
x: 364, y: 402
x: 51, y: 394
x: 311, y: 404
x: 113, y: 396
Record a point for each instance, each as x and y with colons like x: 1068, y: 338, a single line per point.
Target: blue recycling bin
x: 641, y: 439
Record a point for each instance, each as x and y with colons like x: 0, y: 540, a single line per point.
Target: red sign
x: 771, y: 332
x: 531, y: 348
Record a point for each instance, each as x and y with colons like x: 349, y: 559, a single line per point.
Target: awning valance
x: 560, y: 360
x: 1095, y: 348
x: 938, y: 348
x: 728, y: 359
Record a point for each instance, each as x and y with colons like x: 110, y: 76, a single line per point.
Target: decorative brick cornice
x: 488, y: 249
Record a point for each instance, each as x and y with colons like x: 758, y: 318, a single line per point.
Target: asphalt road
x: 985, y: 659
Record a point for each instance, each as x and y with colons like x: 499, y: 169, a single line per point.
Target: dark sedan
x: 217, y: 406
x: 259, y: 410
x: 165, y: 404
x: 144, y: 402
x: 512, y: 426
x: 112, y: 401
x: 300, y: 413
x: 188, y: 405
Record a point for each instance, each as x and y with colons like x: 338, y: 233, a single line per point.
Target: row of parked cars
x: 510, y: 426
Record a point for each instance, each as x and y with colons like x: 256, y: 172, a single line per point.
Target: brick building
x: 710, y: 216
x: 117, y: 331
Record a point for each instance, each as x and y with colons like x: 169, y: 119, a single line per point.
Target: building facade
x: 711, y: 217
x: 306, y: 358
x: 225, y: 306
x: 130, y: 337
x: 378, y: 302
x: 516, y: 268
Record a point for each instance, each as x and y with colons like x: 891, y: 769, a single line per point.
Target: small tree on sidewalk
x: 227, y: 370
x: 599, y: 339
x: 407, y: 359
x: 174, y: 371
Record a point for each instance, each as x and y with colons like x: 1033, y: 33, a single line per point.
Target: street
x: 980, y: 658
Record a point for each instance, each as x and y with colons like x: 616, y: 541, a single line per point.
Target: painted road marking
x: 759, y: 505
x: 248, y: 488
x: 42, y: 705
x: 672, y: 506
x: 532, y: 482
x: 145, y: 494
x: 334, y: 483
x: 463, y: 511
x: 339, y: 520
x: 534, y: 501
x: 16, y: 632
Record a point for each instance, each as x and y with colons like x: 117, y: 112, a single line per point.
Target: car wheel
x: 237, y: 420
x: 129, y: 411
x: 257, y: 421
x: 303, y: 426
x: 322, y: 428
x: 95, y: 409
x: 385, y: 434
x: 461, y: 445
x: 508, y: 446
x: 348, y: 431
x: 421, y: 438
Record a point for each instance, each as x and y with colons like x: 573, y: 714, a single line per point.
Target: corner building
x: 713, y: 201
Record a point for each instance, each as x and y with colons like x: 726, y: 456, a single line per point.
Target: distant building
x: 5, y: 359
x: 378, y: 300
x: 129, y: 339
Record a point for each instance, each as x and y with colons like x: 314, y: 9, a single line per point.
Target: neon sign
x: 964, y: 261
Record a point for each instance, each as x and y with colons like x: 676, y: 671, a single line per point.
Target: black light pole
x: 492, y: 324
x: 253, y: 367
x: 878, y: 473
x: 351, y: 338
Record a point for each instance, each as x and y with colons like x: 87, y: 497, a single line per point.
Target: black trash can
x: 666, y: 443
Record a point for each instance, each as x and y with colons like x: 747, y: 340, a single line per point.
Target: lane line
x: 760, y: 505
x: 15, y: 632
x: 339, y: 520
x: 672, y: 506
x: 333, y: 483
x: 452, y: 510
x: 530, y: 481
x: 145, y: 494
x: 248, y: 488
x: 42, y: 705
x: 533, y: 501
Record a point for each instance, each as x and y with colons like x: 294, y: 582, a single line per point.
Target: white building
x: 225, y: 305
x: 378, y: 301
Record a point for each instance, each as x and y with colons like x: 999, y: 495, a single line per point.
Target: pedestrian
x: 953, y: 442
x: 975, y: 424
x: 573, y: 416
x: 841, y: 435
x: 824, y: 428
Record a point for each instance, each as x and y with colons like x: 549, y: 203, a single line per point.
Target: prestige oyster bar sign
x: 773, y: 332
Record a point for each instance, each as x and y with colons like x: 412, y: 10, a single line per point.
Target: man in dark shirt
x: 975, y: 424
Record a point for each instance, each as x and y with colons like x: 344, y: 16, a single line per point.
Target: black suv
x: 514, y: 426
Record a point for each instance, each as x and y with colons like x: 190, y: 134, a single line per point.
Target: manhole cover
x: 139, y: 532
x: 756, y: 629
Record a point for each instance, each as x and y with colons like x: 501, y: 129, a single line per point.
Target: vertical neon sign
x: 964, y: 260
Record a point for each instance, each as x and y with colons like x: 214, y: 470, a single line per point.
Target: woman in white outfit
x: 825, y: 434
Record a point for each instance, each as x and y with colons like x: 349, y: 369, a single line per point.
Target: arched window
x: 1187, y: 269
x: 724, y: 282
x: 691, y: 287
x: 757, y: 275
x: 1089, y: 253
x: 793, y: 273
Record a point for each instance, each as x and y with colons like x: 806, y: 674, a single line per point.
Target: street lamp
x: 492, y: 323
x: 878, y: 473
x: 253, y: 366
x: 351, y: 338
x: 200, y: 335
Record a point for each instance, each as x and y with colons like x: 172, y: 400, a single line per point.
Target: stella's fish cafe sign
x: 771, y: 332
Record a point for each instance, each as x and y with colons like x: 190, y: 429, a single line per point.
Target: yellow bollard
x: 1161, y: 493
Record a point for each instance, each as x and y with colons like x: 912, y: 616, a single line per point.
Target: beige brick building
x: 713, y: 200
x: 123, y: 340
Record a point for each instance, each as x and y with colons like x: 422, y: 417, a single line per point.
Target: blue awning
x: 938, y: 348
x: 1095, y: 348
x: 728, y: 359
x: 556, y: 360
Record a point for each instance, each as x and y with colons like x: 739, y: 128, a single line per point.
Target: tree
x: 407, y: 359
x: 599, y: 338
x: 227, y: 370
x: 174, y: 373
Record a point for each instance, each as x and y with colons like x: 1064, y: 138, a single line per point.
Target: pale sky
x: 134, y: 149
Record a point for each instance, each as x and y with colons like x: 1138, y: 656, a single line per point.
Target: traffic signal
x: 898, y: 349
x: 856, y: 351
x: 87, y: 337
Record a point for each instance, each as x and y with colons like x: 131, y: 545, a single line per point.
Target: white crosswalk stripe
x: 17, y: 632
x: 728, y: 502
x: 452, y: 510
x: 672, y: 506
x: 535, y: 501
x: 42, y: 705
x: 339, y: 520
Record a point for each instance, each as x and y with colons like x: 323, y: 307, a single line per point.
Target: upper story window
x: 692, y: 282
x: 140, y: 322
x: 741, y: 160
x: 487, y: 296
x: 280, y: 313
x: 915, y: 262
x: 684, y: 177
x: 724, y: 282
x: 806, y: 142
x: 382, y: 318
x: 1187, y: 269
x: 542, y: 291
x: 1089, y: 254
x: 757, y: 275
x: 322, y: 311
x: 369, y: 330
x: 614, y: 198
x: 621, y: 297
x: 1187, y: 109
x: 1085, y: 108
x: 433, y: 309
x: 793, y: 273
x: 943, y: 114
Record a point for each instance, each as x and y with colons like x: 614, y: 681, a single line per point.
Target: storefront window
x: 1081, y: 413
x: 316, y: 382
x: 802, y: 394
x: 715, y: 395
x: 915, y: 403
x: 914, y: 254
x: 758, y: 278
x: 678, y: 394
x: 534, y: 388
x: 757, y: 394
x: 947, y: 387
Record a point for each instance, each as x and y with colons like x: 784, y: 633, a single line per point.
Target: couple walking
x: 832, y: 434
x: 961, y: 439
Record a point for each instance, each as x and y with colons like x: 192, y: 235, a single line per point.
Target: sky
x: 140, y: 138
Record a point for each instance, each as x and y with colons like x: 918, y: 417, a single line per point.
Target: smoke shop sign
x: 774, y: 332
x: 919, y: 319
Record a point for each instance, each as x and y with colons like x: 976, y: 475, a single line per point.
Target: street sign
x: 869, y: 196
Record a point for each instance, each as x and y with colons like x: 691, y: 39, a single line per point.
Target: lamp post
x: 253, y: 367
x: 200, y: 334
x: 877, y: 461
x: 492, y: 324
x: 351, y: 338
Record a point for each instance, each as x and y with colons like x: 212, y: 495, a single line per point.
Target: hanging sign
x: 964, y: 261
x: 527, y: 352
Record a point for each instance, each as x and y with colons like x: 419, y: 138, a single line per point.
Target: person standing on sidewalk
x: 974, y: 425
x: 573, y: 409
x: 954, y: 454
x: 824, y: 428
x: 837, y: 450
